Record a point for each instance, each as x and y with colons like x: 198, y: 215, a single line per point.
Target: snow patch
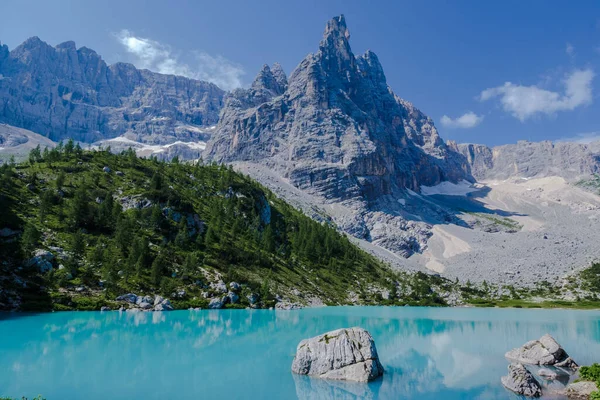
x: 153, y: 148
x: 461, y: 188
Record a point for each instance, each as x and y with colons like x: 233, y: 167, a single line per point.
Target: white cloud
x: 156, y: 56
x: 570, y: 50
x: 584, y: 138
x: 467, y: 120
x: 524, y: 102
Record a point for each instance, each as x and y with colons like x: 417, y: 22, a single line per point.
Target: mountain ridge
x: 64, y: 92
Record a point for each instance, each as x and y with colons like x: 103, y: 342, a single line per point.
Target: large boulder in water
x: 343, y: 354
x: 521, y: 381
x: 545, y: 351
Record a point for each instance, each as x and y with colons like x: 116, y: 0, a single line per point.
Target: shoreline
x: 524, y: 306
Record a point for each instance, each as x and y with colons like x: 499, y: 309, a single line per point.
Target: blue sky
x: 488, y: 72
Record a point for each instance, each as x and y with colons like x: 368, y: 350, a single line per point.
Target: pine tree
x: 78, y: 245
x: 30, y: 239
x: 157, y: 270
x: 78, y: 151
x: 80, y: 210
x: 211, y: 237
x: 69, y: 147
x: 60, y: 180
x: 189, y: 265
x: 182, y: 239
x: 46, y: 201
x: 35, y: 155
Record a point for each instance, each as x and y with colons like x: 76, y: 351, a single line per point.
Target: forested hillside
x: 80, y: 228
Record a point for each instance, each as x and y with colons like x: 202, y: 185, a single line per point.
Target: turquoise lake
x: 428, y: 353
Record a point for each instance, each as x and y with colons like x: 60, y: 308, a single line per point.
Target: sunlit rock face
x: 335, y: 130
x: 335, y: 127
x: 531, y: 159
x: 66, y: 92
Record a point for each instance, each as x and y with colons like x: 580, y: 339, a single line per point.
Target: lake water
x: 428, y: 353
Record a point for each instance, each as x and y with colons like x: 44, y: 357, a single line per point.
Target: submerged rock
x: 284, y: 305
x: 547, y: 374
x: 580, y: 390
x: 343, y: 354
x: 545, y: 351
x: 521, y: 381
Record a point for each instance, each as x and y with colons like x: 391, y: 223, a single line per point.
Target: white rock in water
x: 547, y: 374
x: 545, y: 351
x: 343, y: 354
x: 521, y: 381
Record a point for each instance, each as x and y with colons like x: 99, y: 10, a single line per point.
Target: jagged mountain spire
x: 335, y: 46
x: 266, y: 80
x: 279, y: 75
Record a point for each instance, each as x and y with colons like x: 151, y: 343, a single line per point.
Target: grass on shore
x: 513, y: 303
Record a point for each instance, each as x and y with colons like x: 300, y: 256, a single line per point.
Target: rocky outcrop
x: 580, y: 390
x: 531, y: 159
x: 66, y: 92
x: 41, y: 260
x: 218, y: 302
x: 343, y: 354
x: 521, y: 381
x: 336, y: 130
x: 545, y: 351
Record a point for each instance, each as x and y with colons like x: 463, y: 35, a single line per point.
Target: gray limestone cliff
x: 337, y: 131
x: 335, y: 127
x: 531, y: 159
x: 66, y: 92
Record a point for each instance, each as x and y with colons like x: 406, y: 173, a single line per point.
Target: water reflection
x: 427, y: 353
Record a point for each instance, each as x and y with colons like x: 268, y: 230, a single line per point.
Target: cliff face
x: 335, y: 128
x: 532, y: 159
x: 336, y: 131
x: 64, y: 92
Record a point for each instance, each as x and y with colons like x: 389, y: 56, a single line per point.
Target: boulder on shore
x: 129, y: 298
x: 545, y: 351
x: 344, y: 354
x: 217, y: 302
x: 521, y: 381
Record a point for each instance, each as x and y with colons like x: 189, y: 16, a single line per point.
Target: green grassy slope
x: 191, y: 224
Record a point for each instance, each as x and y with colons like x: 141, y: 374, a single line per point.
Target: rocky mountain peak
x: 3, y: 53
x: 266, y: 80
x: 279, y: 75
x: 338, y: 132
x: 68, y: 92
x: 68, y: 45
x: 334, y: 50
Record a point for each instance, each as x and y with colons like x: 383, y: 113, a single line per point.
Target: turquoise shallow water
x: 428, y: 353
